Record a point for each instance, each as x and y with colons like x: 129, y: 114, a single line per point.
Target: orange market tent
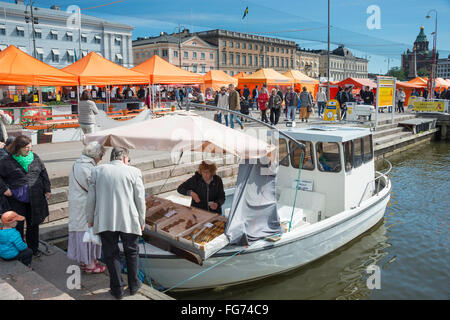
x: 96, y: 70
x: 162, y: 72
x: 19, y: 68
x: 421, y: 82
x: 440, y: 84
x: 268, y: 77
x: 217, y: 78
x: 358, y: 83
x: 302, y: 80
x: 240, y: 75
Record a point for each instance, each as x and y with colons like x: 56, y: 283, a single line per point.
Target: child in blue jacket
x: 11, y: 244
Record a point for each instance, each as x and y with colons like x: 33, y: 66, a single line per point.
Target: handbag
x: 309, y: 108
x: 89, y: 236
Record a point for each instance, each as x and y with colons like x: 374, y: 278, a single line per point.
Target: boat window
x: 357, y: 152
x: 308, y: 163
x: 283, y: 152
x: 348, y: 155
x: 328, y: 156
x: 368, y: 148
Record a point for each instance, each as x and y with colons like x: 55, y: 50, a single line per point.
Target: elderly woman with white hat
x: 86, y: 253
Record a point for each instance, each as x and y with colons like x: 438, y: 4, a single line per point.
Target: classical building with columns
x: 56, y: 43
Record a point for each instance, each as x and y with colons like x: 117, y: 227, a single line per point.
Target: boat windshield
x: 308, y: 161
x: 328, y: 157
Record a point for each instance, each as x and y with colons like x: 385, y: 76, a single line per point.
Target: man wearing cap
x: 12, y: 246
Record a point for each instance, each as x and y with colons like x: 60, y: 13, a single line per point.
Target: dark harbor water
x: 410, y: 245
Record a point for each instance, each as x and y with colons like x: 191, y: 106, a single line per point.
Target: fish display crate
x: 187, y: 228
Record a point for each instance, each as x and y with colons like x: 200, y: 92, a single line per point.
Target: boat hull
x: 235, y: 265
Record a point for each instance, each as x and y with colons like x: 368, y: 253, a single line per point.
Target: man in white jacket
x: 116, y: 209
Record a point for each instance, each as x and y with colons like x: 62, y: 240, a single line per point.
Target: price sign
x: 16, y: 98
x: 35, y: 98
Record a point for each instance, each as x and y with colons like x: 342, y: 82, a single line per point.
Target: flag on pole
x: 245, y: 13
x: 75, y: 52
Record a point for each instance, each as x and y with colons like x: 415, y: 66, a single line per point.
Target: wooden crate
x: 199, y: 235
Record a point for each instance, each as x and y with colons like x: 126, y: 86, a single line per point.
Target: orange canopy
x: 266, y: 76
x: 302, y: 80
x: 19, y: 68
x: 358, y: 83
x: 421, y: 82
x: 217, y: 78
x: 96, y: 70
x: 441, y: 83
x: 240, y: 75
x: 162, y: 72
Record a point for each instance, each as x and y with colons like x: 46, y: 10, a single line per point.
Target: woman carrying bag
x: 85, y: 253
x: 25, y: 183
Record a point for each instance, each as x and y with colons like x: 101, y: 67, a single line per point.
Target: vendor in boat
x: 205, y: 188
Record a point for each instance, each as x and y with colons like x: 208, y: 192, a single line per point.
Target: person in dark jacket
x: 246, y: 92
x: 274, y: 106
x: 25, y: 183
x: 205, y: 188
x: 4, y: 205
x: 367, y: 96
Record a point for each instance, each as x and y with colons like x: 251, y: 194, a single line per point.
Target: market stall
x: 22, y: 79
x: 94, y: 70
x: 164, y: 78
x: 216, y: 79
x: 269, y: 77
x: 240, y: 75
x: 302, y: 80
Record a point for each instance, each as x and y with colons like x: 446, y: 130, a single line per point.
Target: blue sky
x: 400, y: 21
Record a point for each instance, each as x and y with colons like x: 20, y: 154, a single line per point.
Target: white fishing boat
x: 280, y: 220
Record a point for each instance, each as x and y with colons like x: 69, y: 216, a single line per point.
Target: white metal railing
x: 386, y: 177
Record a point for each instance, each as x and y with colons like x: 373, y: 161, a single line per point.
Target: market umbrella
x: 183, y: 131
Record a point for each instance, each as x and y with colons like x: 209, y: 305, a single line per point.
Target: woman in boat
x: 205, y: 188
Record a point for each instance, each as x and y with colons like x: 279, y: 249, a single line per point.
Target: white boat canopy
x: 328, y: 133
x: 183, y: 131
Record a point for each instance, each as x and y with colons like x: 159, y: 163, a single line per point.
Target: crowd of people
x: 260, y: 99
x: 106, y: 201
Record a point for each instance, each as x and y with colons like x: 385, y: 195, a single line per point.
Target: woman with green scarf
x: 25, y: 183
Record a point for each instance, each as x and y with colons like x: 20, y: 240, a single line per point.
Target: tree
x: 423, y: 72
x: 398, y: 73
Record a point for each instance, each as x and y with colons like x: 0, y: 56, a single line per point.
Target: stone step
x: 159, y: 163
x: 397, y: 119
x: 392, y: 131
x: 390, y: 138
x: 60, y: 210
x: 28, y: 283
x: 155, y: 176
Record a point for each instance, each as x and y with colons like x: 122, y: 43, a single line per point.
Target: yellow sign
x: 35, y: 98
x: 385, y: 97
x: 16, y: 98
x: 331, y: 111
x: 437, y: 106
x: 58, y: 97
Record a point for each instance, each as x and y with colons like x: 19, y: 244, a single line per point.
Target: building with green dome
x: 420, y: 58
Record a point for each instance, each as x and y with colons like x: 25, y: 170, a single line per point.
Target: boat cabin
x: 337, y: 173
